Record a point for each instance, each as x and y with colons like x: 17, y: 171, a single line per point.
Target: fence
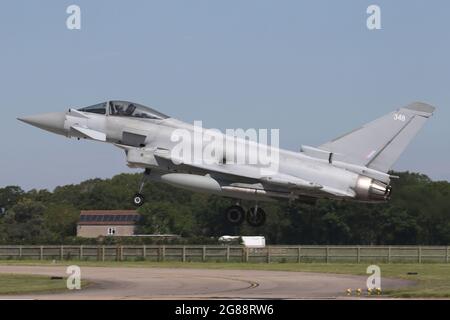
x: 324, y: 254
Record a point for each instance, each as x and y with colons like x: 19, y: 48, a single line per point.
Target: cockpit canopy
x: 99, y: 108
x: 125, y: 109
x: 131, y: 109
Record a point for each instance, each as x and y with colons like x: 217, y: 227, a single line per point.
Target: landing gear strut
x: 256, y: 216
x: 138, y: 198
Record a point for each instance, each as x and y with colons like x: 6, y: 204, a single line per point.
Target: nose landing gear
x: 138, y: 198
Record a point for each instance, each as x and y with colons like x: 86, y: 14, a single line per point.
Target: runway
x: 178, y: 283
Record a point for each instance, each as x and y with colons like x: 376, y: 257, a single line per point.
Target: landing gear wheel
x: 235, y: 215
x: 138, y: 200
x: 256, y: 217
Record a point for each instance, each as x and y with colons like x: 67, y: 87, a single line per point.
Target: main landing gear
x: 138, y: 198
x: 236, y: 215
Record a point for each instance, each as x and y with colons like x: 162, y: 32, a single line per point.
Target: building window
x: 111, y: 231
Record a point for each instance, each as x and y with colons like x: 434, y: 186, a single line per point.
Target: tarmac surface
x: 178, y: 283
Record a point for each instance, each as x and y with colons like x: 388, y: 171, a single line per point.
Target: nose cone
x: 53, y: 122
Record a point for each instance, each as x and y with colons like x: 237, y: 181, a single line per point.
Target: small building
x: 96, y: 223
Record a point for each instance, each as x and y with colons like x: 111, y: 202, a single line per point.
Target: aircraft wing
x: 238, y: 173
x: 231, y: 174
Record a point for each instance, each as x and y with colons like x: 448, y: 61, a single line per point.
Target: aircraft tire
x: 235, y: 215
x: 138, y: 200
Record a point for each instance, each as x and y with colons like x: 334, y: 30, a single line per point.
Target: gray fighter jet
x: 351, y: 167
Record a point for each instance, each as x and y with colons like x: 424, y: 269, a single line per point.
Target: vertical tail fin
x: 380, y: 143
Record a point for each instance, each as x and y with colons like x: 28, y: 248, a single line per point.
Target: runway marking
x: 252, y: 284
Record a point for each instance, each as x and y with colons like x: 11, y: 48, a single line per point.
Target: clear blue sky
x: 310, y: 68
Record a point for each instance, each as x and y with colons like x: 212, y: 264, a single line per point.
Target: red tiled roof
x: 108, y: 217
x: 112, y: 212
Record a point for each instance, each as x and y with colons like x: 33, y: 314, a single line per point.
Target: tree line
x: 417, y: 214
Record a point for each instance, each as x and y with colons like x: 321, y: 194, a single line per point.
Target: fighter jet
x: 352, y: 167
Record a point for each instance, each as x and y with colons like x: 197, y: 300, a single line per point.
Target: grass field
x: 21, y: 284
x: 433, y: 280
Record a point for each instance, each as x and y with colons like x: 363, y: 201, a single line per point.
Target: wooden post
x: 268, y: 254
x: 299, y: 254
x: 204, y: 254
x: 419, y: 255
x: 62, y: 252
x: 389, y: 254
x: 243, y: 254
x: 446, y: 255
x: 41, y: 253
x: 20, y: 252
x: 327, y: 254
x: 228, y: 254
x: 246, y: 254
x: 183, y: 258
x: 163, y: 253
x: 103, y: 253
x: 358, y: 254
x: 121, y: 253
x: 81, y: 252
x: 144, y: 252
